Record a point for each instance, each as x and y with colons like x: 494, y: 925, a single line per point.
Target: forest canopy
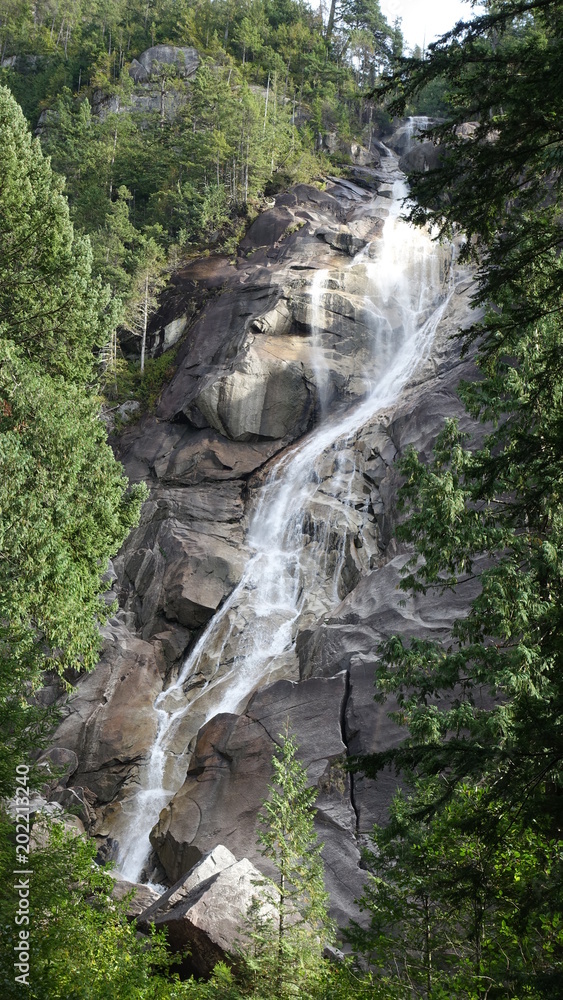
x: 181, y: 165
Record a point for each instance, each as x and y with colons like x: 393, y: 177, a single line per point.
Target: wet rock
x: 109, y: 720
x: 467, y: 129
x: 228, y: 778
x: 405, y: 136
x: 142, y: 896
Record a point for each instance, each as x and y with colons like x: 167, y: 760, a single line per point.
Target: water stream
x: 306, y: 513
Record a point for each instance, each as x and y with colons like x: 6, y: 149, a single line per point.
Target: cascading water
x: 319, y: 363
x: 305, y: 516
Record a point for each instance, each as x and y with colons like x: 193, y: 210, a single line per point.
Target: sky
x: 425, y: 20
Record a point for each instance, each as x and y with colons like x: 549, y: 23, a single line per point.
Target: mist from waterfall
x: 305, y: 516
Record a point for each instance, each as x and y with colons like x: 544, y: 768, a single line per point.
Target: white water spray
x: 301, y: 529
x: 319, y: 362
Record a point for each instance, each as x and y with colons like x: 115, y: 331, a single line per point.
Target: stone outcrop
x: 209, y: 910
x: 264, y: 395
x: 184, y: 60
x: 153, y: 90
x: 354, y: 152
x: 110, y: 721
x: 259, y: 358
x: 210, y: 865
x: 424, y: 156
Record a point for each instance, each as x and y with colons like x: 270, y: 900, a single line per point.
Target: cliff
x: 264, y: 571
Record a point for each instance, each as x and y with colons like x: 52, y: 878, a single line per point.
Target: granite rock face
x: 110, y: 720
x: 184, y: 60
x: 148, y: 94
x: 230, y: 770
x: 267, y: 345
x: 210, y: 865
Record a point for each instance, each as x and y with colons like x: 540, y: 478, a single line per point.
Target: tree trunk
x: 145, y: 322
x: 331, y: 16
x: 281, y: 932
x: 112, y: 162
x: 162, y: 96
x: 266, y: 108
x: 427, y: 949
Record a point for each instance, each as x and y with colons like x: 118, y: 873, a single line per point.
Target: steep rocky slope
x: 285, y: 337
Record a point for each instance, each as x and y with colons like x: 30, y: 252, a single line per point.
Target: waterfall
x: 307, y: 514
x: 319, y: 364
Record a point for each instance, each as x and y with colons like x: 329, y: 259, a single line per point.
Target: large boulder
x: 213, y: 863
x: 267, y: 229
x: 138, y: 897
x: 267, y: 395
x: 211, y: 921
x: 421, y: 157
x: 185, y: 60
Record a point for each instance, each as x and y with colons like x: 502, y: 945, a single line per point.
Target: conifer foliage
x: 292, y: 943
x: 65, y: 506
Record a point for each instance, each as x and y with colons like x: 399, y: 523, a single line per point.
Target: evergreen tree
x: 78, y: 942
x: 148, y: 281
x: 50, y: 307
x: 65, y: 507
x: 453, y: 913
x: 292, y: 945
